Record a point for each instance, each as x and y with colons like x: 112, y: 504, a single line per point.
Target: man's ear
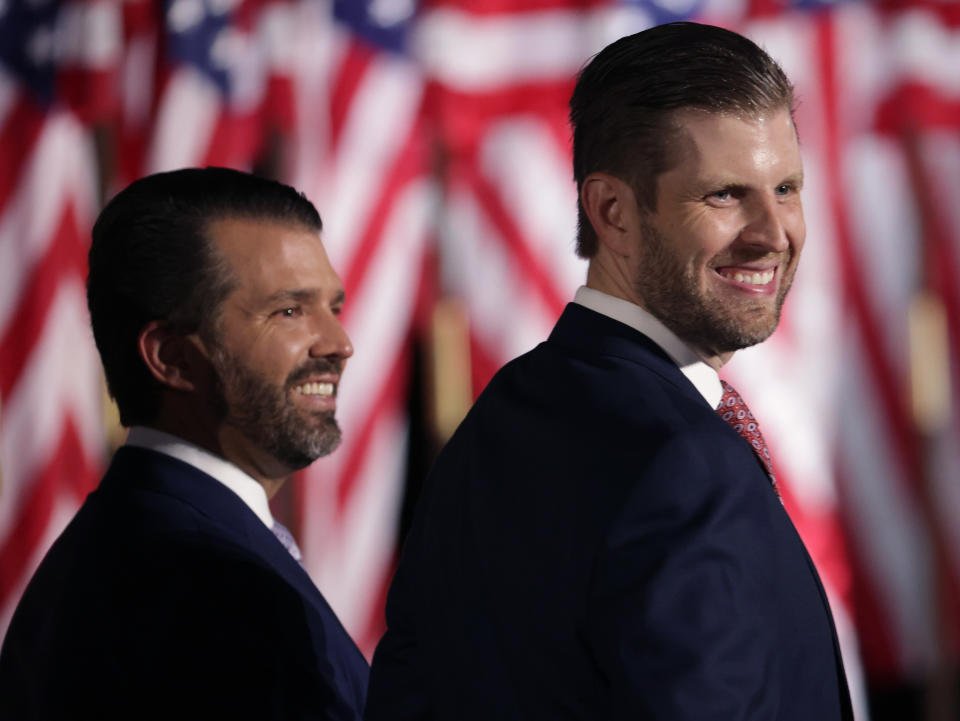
x: 170, y: 356
x: 611, y: 206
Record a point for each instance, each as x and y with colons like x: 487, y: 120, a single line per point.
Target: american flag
x: 51, y: 429
x: 433, y: 139
x: 363, y: 155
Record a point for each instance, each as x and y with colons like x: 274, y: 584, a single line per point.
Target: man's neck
x: 214, y: 465
x: 703, y: 376
x: 610, y: 280
x: 222, y: 441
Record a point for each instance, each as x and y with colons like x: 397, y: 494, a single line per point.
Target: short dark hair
x: 625, y: 100
x: 151, y: 259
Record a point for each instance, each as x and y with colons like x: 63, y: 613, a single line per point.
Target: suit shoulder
x: 611, y: 401
x: 184, y: 617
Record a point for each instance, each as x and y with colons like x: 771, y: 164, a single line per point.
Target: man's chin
x: 722, y: 335
x: 297, y: 462
x: 297, y: 459
x: 745, y: 338
x: 300, y: 451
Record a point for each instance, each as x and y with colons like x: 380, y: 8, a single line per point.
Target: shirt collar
x: 704, y: 378
x: 244, y: 485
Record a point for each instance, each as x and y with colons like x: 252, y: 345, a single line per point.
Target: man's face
x: 718, y: 255
x: 280, y: 347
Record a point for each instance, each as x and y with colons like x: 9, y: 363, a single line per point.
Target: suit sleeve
x: 680, y: 613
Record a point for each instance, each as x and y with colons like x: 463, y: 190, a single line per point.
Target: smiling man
x: 173, y: 593
x: 602, y: 538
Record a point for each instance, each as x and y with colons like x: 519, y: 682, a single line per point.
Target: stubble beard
x: 263, y: 413
x: 672, y: 293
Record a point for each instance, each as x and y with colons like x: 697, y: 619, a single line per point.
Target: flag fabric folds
x: 51, y: 421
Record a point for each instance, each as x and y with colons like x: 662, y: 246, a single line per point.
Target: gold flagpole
x: 930, y: 390
x: 449, y: 375
x: 931, y: 405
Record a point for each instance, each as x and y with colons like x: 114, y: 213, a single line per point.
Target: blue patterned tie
x: 286, y: 539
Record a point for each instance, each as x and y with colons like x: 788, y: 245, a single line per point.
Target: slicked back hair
x: 151, y: 258
x: 625, y: 101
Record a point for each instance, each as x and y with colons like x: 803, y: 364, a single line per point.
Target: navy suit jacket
x: 595, y: 542
x: 167, y: 597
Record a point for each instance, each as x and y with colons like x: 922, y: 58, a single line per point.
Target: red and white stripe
x: 878, y: 120
x: 500, y: 76
x: 887, y: 112
x: 363, y: 159
x: 193, y: 123
x: 51, y: 428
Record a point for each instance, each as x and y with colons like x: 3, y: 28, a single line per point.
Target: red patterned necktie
x: 735, y: 412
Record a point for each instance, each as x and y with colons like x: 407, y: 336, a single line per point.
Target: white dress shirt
x: 704, y: 378
x: 244, y: 485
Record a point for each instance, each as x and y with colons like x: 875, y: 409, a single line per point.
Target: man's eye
x: 784, y: 189
x: 720, y: 196
x: 291, y: 312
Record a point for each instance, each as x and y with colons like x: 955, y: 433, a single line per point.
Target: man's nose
x: 766, y: 224
x: 331, y: 339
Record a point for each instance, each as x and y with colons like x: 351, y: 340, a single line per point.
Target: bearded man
x: 173, y: 593
x: 598, y: 540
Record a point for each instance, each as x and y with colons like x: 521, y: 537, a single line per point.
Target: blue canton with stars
x: 27, y: 45
x: 192, y: 27
x: 385, y: 25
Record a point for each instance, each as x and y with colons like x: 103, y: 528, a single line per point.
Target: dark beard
x: 263, y: 413
x: 673, y: 297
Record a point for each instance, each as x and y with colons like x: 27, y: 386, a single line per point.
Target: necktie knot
x: 734, y: 410
x: 287, y: 540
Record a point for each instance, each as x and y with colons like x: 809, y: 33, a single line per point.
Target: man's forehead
x: 685, y: 120
x: 238, y: 230
x: 254, y: 244
x: 267, y: 256
x: 702, y: 135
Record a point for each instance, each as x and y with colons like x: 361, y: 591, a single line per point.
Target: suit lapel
x: 226, y: 512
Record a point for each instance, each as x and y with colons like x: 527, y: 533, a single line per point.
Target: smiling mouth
x: 323, y: 390
x: 747, y: 277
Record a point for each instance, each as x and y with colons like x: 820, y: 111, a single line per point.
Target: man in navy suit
x: 173, y: 593
x: 596, y: 541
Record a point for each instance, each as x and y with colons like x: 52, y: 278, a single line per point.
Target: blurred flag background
x: 432, y: 136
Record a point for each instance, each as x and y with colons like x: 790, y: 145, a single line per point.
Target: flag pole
x: 450, y: 387
x: 930, y: 390
x: 931, y: 395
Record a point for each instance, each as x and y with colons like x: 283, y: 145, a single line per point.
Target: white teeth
x: 753, y: 278
x: 315, y: 389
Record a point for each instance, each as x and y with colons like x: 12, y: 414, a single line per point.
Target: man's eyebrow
x: 298, y: 295
x: 301, y: 295
x: 795, y: 178
x: 716, y: 185
x: 716, y: 182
